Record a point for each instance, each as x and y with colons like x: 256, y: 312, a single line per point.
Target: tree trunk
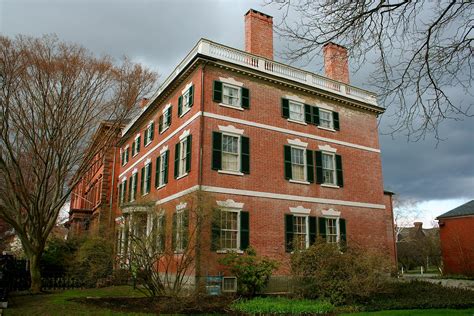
x: 35, y: 273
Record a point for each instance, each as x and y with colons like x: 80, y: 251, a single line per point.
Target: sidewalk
x: 435, y: 278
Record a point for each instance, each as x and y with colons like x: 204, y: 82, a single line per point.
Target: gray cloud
x: 160, y: 33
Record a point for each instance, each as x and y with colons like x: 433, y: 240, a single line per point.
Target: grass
x: 58, y: 303
x: 279, y: 305
x: 417, y: 312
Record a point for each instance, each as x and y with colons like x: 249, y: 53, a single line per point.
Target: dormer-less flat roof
x: 206, y: 48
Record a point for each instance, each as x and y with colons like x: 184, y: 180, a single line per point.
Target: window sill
x: 224, y: 251
x: 297, y: 122
x: 327, y: 128
x: 299, y: 182
x: 239, y: 108
x: 184, y: 113
x: 146, y: 194
x: 161, y: 186
x: 182, y: 176
x: 135, y: 154
x: 333, y: 186
x: 145, y: 145
x: 234, y: 173
x: 164, y: 129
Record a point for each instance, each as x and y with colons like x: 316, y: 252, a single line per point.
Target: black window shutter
x: 285, y: 108
x: 245, y: 98
x: 191, y: 96
x: 342, y: 230
x: 216, y: 151
x: 160, y: 124
x: 176, y: 160
x: 310, y: 166
x: 245, y: 155
x: 288, y: 232
x: 315, y: 111
x: 288, y: 173
x: 130, y: 189
x: 126, y: 155
x: 312, y: 229
x: 135, y: 184
x: 308, y: 115
x: 133, y: 149
x: 180, y: 105
x: 152, y: 134
x: 124, y: 189
x: 122, y: 156
x: 217, y: 95
x: 165, y: 157
x: 138, y: 144
x: 157, y: 173
x: 215, y: 230
x: 319, y: 166
x: 335, y: 120
x: 322, y: 227
x: 244, y: 230
x: 148, y: 177
x: 169, y: 114
x: 142, y: 181
x: 162, y: 233
x: 189, y: 148
x: 174, y: 232
x: 340, y: 180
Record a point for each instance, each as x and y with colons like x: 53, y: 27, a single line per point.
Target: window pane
x: 230, y: 95
x: 296, y: 111
x: 325, y: 119
x: 328, y: 169
x: 229, y: 229
x: 182, y: 157
x: 299, y: 231
x: 230, y: 153
x: 297, y: 164
x: 331, y: 230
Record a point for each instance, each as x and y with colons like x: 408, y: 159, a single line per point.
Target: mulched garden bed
x: 162, y: 304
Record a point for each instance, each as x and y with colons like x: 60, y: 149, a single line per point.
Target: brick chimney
x: 259, y: 34
x: 336, y: 65
x: 143, y: 102
x: 418, y: 225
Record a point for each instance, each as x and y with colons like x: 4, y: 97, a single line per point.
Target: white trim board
x: 176, y: 131
x: 269, y: 195
x: 290, y: 197
x: 288, y: 131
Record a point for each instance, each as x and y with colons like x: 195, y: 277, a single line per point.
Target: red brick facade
x: 266, y: 149
x: 457, y: 244
x: 336, y: 62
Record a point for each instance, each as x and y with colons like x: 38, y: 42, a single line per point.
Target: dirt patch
x: 161, y: 305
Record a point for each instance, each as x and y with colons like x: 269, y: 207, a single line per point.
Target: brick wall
x: 457, y: 244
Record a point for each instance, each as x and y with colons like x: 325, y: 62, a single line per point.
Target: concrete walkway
x: 435, y: 278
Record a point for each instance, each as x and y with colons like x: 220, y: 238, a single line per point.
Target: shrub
x: 323, y: 271
x: 93, y: 261
x: 280, y: 305
x: 252, y: 271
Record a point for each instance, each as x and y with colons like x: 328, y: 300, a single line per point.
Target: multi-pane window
x: 186, y: 101
x: 231, y: 95
x: 298, y: 164
x: 300, y: 231
x: 122, y: 189
x: 136, y: 146
x: 296, y: 111
x: 162, y: 170
x: 180, y: 231
x: 182, y: 157
x: 133, y: 187
x: 325, y: 119
x: 146, y: 179
x: 329, y: 170
x: 229, y: 230
x: 230, y: 153
x: 165, y: 120
x: 149, y: 133
x: 331, y: 230
x: 124, y: 156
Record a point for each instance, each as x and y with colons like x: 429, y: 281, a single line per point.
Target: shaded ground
x: 161, y: 305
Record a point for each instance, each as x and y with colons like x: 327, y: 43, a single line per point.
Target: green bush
x: 420, y: 295
x: 253, y: 272
x: 280, y: 305
x: 93, y: 261
x: 323, y: 271
x: 58, y: 256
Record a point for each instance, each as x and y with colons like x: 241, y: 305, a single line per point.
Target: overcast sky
x: 160, y: 33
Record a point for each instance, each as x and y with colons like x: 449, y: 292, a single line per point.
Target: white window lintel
x: 147, y: 161
x: 295, y: 98
x: 300, y: 210
x: 186, y: 88
x: 166, y: 108
x: 327, y: 148
x: 163, y: 149
x: 297, y: 142
x: 181, y: 206
x: 331, y: 213
x: 136, y: 136
x: 135, y: 170
x: 231, y: 129
x: 231, y: 81
x: 184, y: 135
x: 230, y: 204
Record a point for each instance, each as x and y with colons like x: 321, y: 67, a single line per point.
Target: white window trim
x: 145, y: 188
x: 327, y: 129
x: 183, y: 92
x: 296, y: 121
x: 332, y: 120
x: 300, y: 210
x: 180, y: 159
x: 239, y: 154
x: 231, y: 81
x: 305, y: 181
x: 135, y: 145
x: 330, y: 185
x: 234, y: 210
x: 333, y: 214
x: 307, y: 228
x: 230, y: 129
x: 327, y: 148
x: 178, y: 212
x: 166, y: 108
x: 239, y: 93
x: 163, y: 149
x: 147, y: 134
x: 290, y: 119
x: 235, y: 287
x: 162, y: 154
x: 185, y: 134
x: 338, y: 229
x: 297, y: 143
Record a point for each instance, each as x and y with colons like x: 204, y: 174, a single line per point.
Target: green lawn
x: 418, y: 312
x: 57, y: 303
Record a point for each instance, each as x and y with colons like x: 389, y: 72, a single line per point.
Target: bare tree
x: 405, y: 213
x: 421, y: 50
x: 53, y: 96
